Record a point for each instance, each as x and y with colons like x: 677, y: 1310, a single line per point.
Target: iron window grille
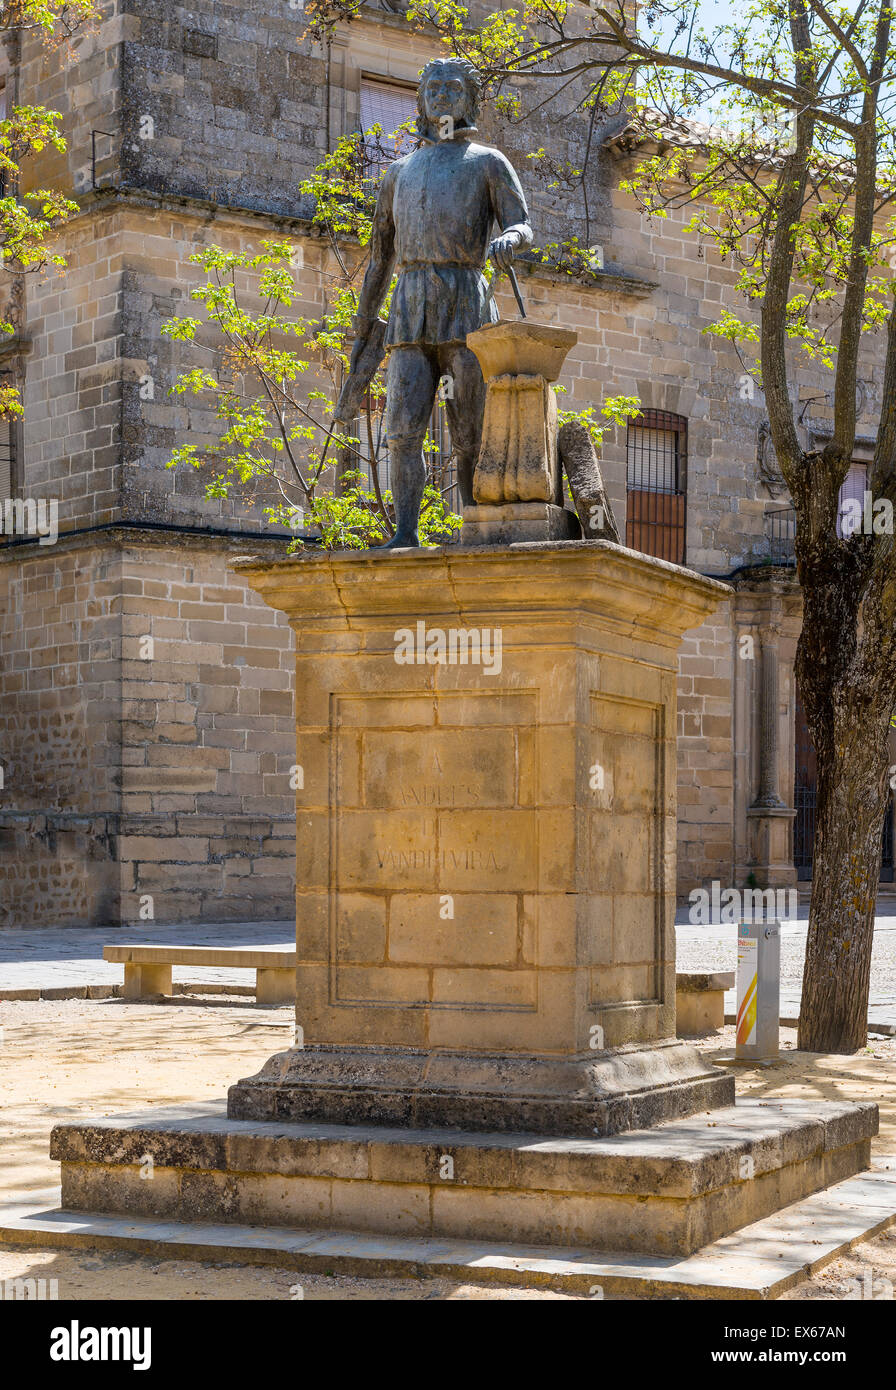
x: 656, y: 485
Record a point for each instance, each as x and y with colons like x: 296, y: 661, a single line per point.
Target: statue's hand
x: 502, y: 249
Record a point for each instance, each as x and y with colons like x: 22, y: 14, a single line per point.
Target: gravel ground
x: 71, y: 1058
x: 64, y: 1059
x: 102, y: 1276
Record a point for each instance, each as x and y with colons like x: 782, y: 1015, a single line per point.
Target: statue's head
x: 448, y: 87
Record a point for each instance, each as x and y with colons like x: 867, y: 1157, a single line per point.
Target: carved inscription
x: 434, y: 852
x: 444, y: 792
x: 438, y: 767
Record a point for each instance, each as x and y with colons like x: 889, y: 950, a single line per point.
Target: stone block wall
x: 207, y: 737
x: 143, y: 780
x: 60, y: 625
x: 74, y: 377
x: 705, y: 768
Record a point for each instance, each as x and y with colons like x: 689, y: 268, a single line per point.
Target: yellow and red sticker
x: 747, y: 982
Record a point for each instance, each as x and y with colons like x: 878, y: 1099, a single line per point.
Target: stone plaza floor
x: 44, y: 958
x: 715, y: 948
x: 72, y: 957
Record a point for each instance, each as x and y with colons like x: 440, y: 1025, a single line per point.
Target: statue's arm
x: 382, y: 256
x: 509, y: 211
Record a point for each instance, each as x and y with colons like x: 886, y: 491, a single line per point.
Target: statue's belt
x: 437, y: 265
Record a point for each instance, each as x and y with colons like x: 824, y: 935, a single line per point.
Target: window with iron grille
x: 11, y: 434
x: 376, y: 435
x: 8, y: 429
x: 656, y: 485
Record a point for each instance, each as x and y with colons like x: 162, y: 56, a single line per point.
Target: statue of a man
x: 434, y: 217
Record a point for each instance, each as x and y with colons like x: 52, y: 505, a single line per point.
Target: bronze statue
x: 433, y: 222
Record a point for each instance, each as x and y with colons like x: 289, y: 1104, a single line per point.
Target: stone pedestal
x: 518, y: 465
x: 485, y: 978
x: 486, y: 841
x: 518, y: 522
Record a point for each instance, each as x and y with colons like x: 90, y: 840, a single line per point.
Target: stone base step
x: 668, y: 1190
x: 632, y: 1086
x: 759, y: 1262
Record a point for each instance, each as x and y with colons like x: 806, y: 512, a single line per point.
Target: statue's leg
x: 411, y: 382
x: 465, y: 404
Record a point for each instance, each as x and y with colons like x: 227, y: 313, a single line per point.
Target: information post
x: 758, y: 991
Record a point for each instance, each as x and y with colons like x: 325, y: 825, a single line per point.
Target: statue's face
x: 445, y: 94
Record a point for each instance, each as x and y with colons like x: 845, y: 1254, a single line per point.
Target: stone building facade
x: 146, y: 741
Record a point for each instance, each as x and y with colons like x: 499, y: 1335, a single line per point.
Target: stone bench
x: 147, y: 969
x: 700, y: 1000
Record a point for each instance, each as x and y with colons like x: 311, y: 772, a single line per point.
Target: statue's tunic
x: 434, y: 216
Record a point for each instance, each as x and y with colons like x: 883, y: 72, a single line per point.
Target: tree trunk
x: 845, y: 873
x: 846, y: 678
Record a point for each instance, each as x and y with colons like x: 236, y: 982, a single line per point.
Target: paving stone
x: 48, y: 959
x: 35, y: 961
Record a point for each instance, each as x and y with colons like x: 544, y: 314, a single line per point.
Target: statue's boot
x: 465, y: 463
x: 408, y: 476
